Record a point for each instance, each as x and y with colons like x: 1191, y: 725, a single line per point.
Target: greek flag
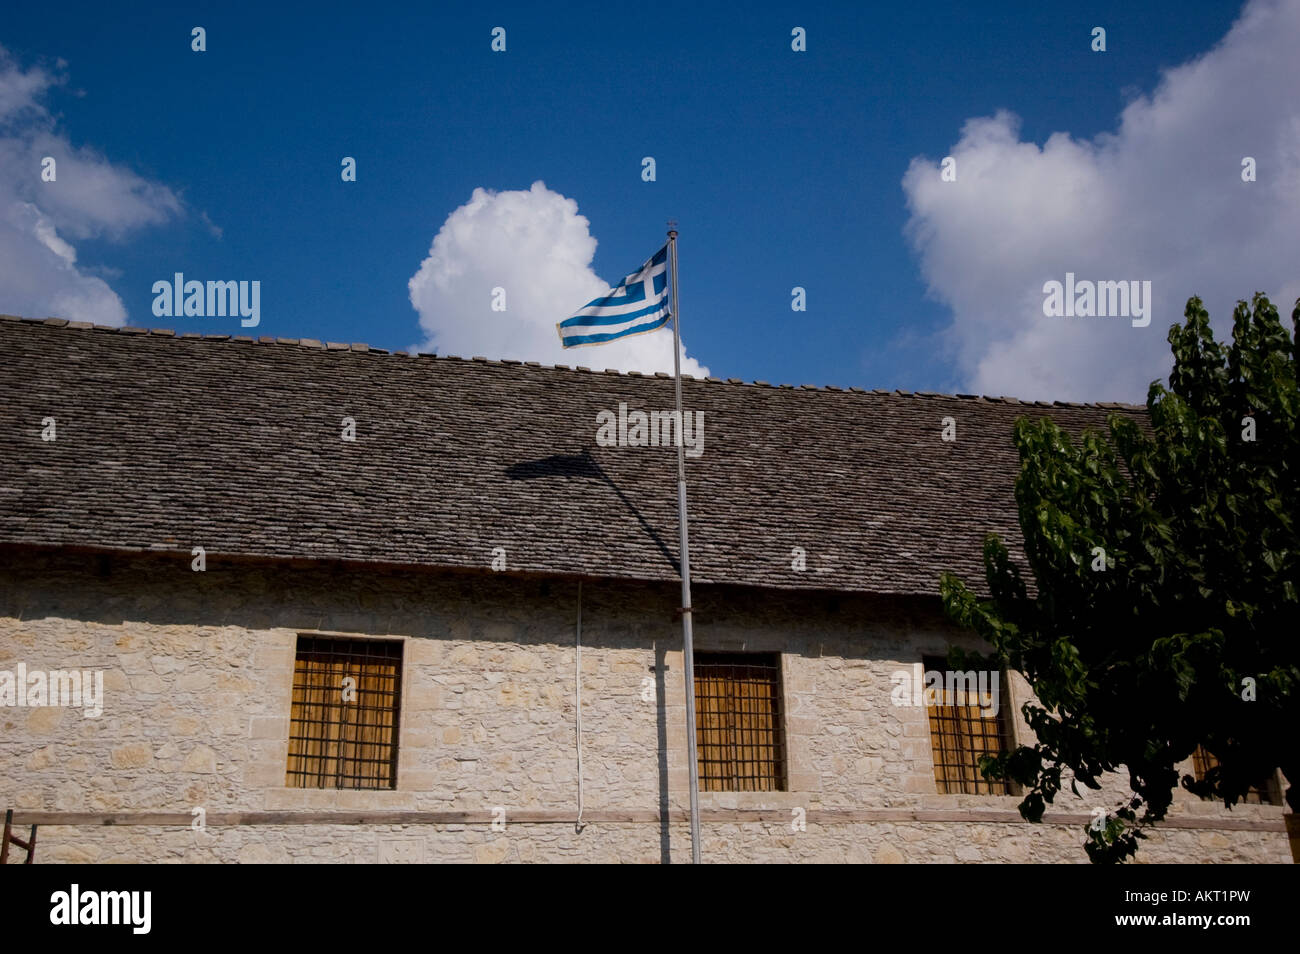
x: 636, y: 304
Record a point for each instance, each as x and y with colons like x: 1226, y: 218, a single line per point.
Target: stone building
x: 347, y: 605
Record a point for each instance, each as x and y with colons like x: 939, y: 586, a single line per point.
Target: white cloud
x: 90, y: 197
x: 1160, y: 199
x: 535, y: 246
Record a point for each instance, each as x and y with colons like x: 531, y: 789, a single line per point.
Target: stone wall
x: 197, y: 676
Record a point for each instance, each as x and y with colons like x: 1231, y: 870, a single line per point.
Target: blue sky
x: 782, y: 168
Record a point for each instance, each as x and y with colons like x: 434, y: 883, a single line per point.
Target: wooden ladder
x: 29, y: 844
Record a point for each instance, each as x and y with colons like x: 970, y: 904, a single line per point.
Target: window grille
x: 960, y: 734
x: 738, y: 726
x: 344, y: 735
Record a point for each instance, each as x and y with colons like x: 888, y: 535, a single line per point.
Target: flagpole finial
x: 672, y: 227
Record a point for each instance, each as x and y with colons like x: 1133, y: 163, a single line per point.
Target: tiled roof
x: 166, y: 442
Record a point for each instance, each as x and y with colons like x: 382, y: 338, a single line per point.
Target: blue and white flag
x: 637, y: 304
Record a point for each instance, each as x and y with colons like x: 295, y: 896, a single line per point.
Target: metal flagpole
x: 688, y: 643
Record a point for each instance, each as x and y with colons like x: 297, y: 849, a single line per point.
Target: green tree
x: 1189, y: 633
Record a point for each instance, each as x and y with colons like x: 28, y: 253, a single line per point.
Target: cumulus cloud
x: 90, y: 197
x: 1161, y: 199
x: 535, y: 246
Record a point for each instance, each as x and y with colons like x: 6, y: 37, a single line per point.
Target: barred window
x: 1265, y: 793
x: 738, y: 728
x: 960, y: 734
x: 344, y: 734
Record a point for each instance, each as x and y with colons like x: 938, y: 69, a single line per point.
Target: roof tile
x: 484, y: 454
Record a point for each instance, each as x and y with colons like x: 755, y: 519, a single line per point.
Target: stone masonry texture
x: 198, y: 669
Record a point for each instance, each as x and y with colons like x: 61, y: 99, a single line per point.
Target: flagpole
x: 688, y: 642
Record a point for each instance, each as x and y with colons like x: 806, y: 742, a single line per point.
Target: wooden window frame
x: 338, y: 744
x: 732, y: 757
x: 1267, y: 792
x: 953, y: 751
